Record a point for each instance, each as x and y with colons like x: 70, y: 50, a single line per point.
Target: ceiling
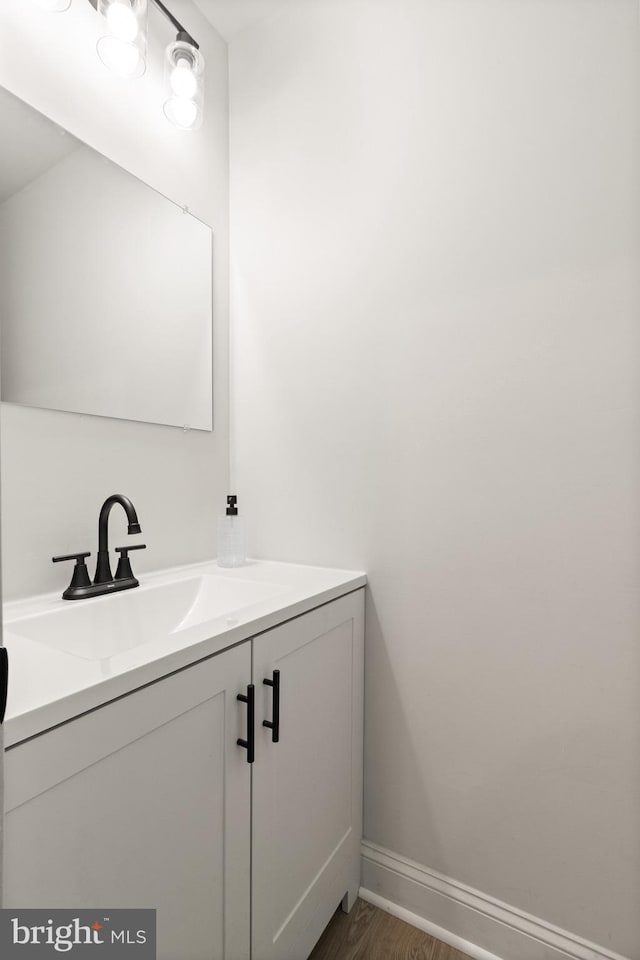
x: 229, y: 17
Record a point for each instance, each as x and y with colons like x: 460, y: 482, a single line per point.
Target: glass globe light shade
x: 122, y: 41
x: 184, y: 85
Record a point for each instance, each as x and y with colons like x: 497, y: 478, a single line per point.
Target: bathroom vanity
x: 128, y: 781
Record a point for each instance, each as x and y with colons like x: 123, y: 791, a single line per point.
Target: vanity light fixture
x: 122, y: 47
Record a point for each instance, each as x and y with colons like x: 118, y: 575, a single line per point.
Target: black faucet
x: 81, y: 587
x: 103, y: 568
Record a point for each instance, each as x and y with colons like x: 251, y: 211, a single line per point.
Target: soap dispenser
x: 231, y: 536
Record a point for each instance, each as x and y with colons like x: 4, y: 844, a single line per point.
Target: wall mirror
x: 105, y: 284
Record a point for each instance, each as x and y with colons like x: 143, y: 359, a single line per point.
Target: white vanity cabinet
x: 143, y: 802
x: 149, y: 801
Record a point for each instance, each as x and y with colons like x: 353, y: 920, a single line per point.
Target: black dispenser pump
x: 230, y: 536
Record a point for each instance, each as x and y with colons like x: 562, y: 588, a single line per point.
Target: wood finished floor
x: 368, y: 933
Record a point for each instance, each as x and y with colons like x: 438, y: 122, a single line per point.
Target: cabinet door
x: 307, y: 788
x: 144, y: 802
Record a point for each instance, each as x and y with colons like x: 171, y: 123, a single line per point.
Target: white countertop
x: 48, y: 686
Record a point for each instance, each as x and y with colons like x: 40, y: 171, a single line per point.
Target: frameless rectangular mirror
x: 105, y: 285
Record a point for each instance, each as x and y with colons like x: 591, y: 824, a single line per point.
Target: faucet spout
x: 103, y: 567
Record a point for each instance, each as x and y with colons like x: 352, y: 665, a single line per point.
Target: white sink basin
x: 104, y: 627
x: 70, y: 656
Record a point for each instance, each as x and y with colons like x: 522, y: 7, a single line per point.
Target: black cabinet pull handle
x: 274, y: 723
x: 4, y: 681
x: 249, y: 744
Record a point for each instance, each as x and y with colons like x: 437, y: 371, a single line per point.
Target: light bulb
x: 120, y: 57
x: 122, y: 21
x: 54, y: 6
x: 182, y: 80
x: 182, y: 112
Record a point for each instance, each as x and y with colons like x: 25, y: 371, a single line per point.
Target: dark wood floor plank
x: 368, y: 933
x: 360, y: 927
x: 396, y: 940
x: 347, y: 934
x: 443, y: 951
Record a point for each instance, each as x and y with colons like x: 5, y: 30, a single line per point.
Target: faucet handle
x: 80, y: 557
x: 80, y: 576
x: 124, y: 571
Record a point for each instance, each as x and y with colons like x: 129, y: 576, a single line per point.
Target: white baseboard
x: 485, y: 928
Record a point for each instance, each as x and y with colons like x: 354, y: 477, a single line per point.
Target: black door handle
x: 4, y: 681
x: 274, y: 723
x: 249, y: 743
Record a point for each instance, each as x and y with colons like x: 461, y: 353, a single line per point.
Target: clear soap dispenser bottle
x: 231, y: 536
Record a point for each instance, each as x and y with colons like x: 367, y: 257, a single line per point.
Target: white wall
x: 57, y: 468
x: 435, y: 372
